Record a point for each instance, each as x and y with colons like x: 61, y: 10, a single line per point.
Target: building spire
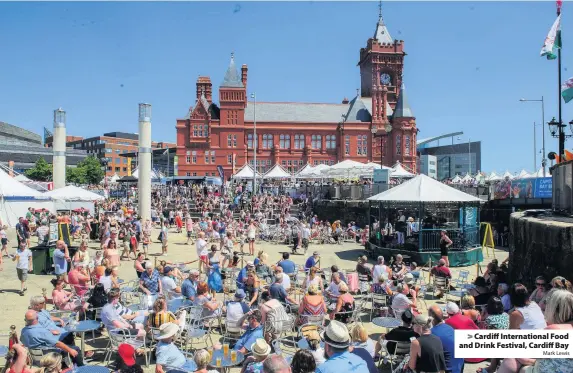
x: 381, y: 34
x: 232, y: 77
x: 403, y: 109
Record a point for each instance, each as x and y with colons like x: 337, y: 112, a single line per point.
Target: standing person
x: 445, y: 244
x: 5, y: 240
x: 164, y: 238
x: 189, y: 229
x: 61, y: 258
x: 251, y: 235
x: 295, y: 231
x: 20, y: 231
x: 214, y: 279
x: 201, y: 247
x: 23, y: 259
x: 305, y: 236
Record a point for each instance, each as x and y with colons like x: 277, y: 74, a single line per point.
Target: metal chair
x: 378, y: 302
x: 441, y: 283
x: 400, y: 352
x: 119, y: 336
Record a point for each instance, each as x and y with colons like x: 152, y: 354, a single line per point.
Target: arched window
x: 406, y: 145
x: 398, y: 145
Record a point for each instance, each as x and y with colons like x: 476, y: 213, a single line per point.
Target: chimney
x: 244, y: 70
x: 204, y: 85
x: 345, y: 100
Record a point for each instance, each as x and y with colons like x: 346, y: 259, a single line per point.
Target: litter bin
x: 41, y: 259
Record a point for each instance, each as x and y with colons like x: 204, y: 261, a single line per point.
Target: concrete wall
x: 540, y: 246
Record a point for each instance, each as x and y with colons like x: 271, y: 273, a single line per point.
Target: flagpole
x: 561, y: 125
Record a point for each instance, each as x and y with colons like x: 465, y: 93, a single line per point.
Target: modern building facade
x: 20, y: 149
x: 428, y: 165
x: 293, y: 134
x: 452, y: 160
x: 109, y: 149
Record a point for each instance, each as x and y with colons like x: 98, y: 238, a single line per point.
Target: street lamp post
x: 254, y: 97
x: 557, y: 130
x: 543, y: 155
x: 385, y: 131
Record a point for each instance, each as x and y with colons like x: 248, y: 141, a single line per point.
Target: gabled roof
x: 232, y: 76
x: 277, y: 172
x: 381, y: 34
x: 358, y: 112
x: 403, y: 109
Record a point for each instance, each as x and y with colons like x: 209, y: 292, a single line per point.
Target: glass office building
x: 456, y: 159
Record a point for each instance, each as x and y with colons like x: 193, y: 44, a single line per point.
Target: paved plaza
x: 13, y: 305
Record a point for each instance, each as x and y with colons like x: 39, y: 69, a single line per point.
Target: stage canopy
x: 423, y: 188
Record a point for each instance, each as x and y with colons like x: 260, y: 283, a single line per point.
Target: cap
x: 452, y: 308
x: 240, y: 294
x: 315, y: 253
x: 167, y: 269
x: 250, y: 264
x: 126, y: 352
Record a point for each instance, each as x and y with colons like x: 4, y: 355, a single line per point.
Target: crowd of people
x: 233, y: 289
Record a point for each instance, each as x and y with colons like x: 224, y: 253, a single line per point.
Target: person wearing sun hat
x: 167, y: 354
x: 339, y: 358
x: 260, y: 350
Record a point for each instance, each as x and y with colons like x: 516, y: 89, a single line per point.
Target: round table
x: 175, y: 304
x: 82, y: 327
x: 386, y: 322
x: 303, y: 344
x: 3, y: 351
x: 226, y: 362
x: 91, y: 369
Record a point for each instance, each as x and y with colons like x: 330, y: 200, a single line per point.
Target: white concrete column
x: 144, y: 162
x: 59, y: 146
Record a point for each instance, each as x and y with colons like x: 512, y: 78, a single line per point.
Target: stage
x: 458, y: 258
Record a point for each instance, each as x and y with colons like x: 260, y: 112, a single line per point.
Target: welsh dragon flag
x: 553, y: 40
x: 567, y: 90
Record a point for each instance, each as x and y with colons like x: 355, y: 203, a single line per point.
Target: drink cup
x: 226, y: 349
x: 233, y: 356
x: 219, y: 361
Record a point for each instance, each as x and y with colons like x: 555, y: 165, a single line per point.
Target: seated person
x: 254, y: 331
x: 168, y: 284
x: 287, y: 265
x: 481, y: 292
x: 402, y: 333
x: 278, y: 292
x: 167, y: 354
x: 112, y: 320
x: 398, y: 268
x: 237, y: 308
x: 441, y: 271
x: 36, y: 336
x: 400, y: 301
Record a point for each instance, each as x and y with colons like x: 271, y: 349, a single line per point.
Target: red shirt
x: 441, y: 271
x: 461, y: 322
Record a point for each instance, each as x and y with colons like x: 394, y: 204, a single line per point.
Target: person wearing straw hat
x: 167, y: 354
x: 254, y: 363
x: 339, y: 358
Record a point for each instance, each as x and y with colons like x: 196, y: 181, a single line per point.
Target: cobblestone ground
x: 13, y: 306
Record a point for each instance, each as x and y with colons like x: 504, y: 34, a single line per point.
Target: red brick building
x: 294, y: 134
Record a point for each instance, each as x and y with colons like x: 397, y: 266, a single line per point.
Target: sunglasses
x: 539, y: 284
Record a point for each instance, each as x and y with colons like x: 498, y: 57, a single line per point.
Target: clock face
x: 385, y: 79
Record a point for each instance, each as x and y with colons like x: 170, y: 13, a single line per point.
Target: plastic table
x: 3, y: 351
x: 386, y: 322
x: 82, y: 327
x: 226, y: 362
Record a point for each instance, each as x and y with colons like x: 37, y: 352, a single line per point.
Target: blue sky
x: 467, y: 65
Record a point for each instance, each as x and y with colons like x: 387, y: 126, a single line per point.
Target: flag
x: 553, y: 40
x: 567, y: 90
x: 559, y: 5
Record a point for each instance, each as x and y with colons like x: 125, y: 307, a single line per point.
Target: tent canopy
x: 246, y: 172
x: 73, y: 193
x: 457, y: 179
x: 155, y: 175
x: 277, y: 172
x: 423, y: 188
x: 305, y: 171
x: 10, y: 187
x: 508, y: 174
x: 399, y: 171
x: 21, y: 177
x: 523, y: 175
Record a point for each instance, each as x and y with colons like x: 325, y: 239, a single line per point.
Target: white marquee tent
x: 507, y: 174
x: 246, y: 172
x: 399, y: 171
x: 277, y: 172
x: 423, y: 188
x: 16, y: 198
x: 347, y: 168
x: 72, y: 197
x: 306, y: 171
x: 493, y: 177
x: 155, y: 175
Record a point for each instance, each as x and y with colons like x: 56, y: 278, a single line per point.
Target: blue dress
x: 214, y: 280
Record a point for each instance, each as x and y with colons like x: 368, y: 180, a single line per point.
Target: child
x: 4, y: 239
x: 145, y: 242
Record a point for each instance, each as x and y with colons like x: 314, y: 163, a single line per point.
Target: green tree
x: 42, y: 171
x: 93, y: 172
x: 76, y: 175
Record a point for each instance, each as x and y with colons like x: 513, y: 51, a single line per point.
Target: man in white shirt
x: 106, y: 282
x: 333, y: 289
x: 400, y: 301
x: 286, y: 279
x: 379, y: 269
x: 201, y: 246
x: 23, y: 259
x: 168, y: 283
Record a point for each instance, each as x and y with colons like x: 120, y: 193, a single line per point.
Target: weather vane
x: 380, y: 9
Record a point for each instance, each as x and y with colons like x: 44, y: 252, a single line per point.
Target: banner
x: 221, y: 173
x: 540, y: 187
x: 381, y: 176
